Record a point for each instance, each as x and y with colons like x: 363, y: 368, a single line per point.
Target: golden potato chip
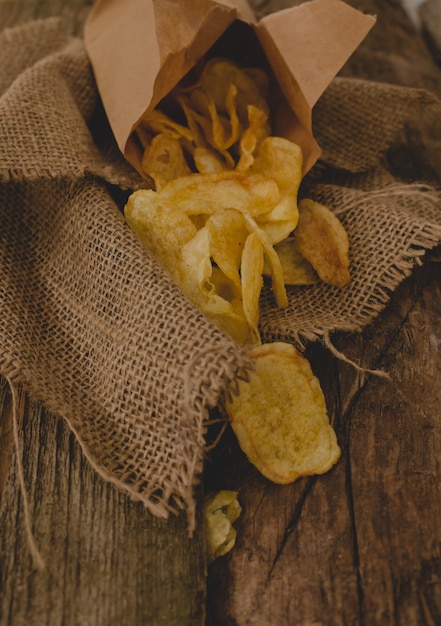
x: 164, y: 160
x: 221, y: 510
x: 228, y: 234
x: 194, y: 122
x: 280, y: 222
x: 161, y: 228
x: 281, y: 160
x: 201, y: 127
x: 159, y: 122
x: 296, y: 269
x: 323, y: 241
x: 225, y: 130
x: 280, y: 417
x: 251, y: 269
x: 207, y: 193
x: 256, y: 132
x: 207, y: 160
x: 278, y: 282
x: 194, y: 275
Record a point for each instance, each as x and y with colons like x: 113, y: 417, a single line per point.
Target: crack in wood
x: 310, y: 481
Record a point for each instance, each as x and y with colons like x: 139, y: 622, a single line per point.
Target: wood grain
x: 107, y: 561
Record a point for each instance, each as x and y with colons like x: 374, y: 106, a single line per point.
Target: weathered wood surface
x: 359, y: 546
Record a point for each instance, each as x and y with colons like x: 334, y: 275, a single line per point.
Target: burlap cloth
x: 93, y: 328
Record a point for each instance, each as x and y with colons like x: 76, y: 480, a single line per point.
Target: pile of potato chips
x: 222, y: 217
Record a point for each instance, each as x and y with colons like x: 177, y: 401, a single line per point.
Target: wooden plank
x: 107, y: 561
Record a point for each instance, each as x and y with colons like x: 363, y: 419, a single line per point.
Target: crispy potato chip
x: 258, y: 129
x: 251, y: 269
x: 162, y: 229
x: 282, y: 220
x: 159, y: 122
x: 207, y: 193
x: 280, y: 417
x: 194, y: 122
x: 201, y: 127
x: 225, y: 130
x: 278, y: 282
x: 281, y: 160
x: 323, y: 241
x: 164, y: 160
x: 221, y: 510
x: 207, y: 160
x: 194, y: 275
x: 228, y: 235
x: 296, y: 269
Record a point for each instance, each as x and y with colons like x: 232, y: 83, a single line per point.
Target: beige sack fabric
x: 91, y: 326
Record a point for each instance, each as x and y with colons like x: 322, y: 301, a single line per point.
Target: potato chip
x: 323, y: 241
x: 278, y: 282
x: 251, y: 269
x: 296, y: 269
x: 164, y: 160
x: 281, y: 160
x: 201, y: 127
x: 194, y: 274
x: 207, y: 193
x: 221, y: 510
x: 159, y: 122
x: 225, y: 130
x: 195, y: 123
x: 252, y: 137
x: 162, y: 229
x: 228, y: 235
x: 280, y: 417
x: 207, y: 160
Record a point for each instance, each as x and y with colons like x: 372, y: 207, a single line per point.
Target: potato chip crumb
x: 221, y: 510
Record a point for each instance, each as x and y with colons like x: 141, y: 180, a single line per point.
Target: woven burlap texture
x: 93, y: 328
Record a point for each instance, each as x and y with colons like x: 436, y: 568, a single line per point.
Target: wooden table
x: 358, y: 546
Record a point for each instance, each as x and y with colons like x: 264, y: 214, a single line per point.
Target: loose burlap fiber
x: 92, y: 327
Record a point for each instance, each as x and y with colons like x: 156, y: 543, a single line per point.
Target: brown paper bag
x: 140, y: 49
